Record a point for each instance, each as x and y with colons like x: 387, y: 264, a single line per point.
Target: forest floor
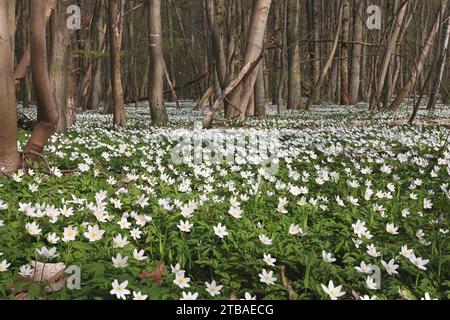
x: 333, y: 203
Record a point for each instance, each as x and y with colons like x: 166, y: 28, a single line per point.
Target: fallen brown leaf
x: 156, y: 275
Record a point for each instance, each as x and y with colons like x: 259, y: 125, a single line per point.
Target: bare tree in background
x: 440, y: 66
x: 390, y: 48
x: 419, y: 65
x: 314, y: 96
x: 156, y: 72
x: 358, y: 24
x: 293, y: 52
x: 61, y: 73
x: 345, y: 47
x: 115, y: 26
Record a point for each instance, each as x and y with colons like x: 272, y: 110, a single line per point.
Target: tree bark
x: 418, y: 66
x: 357, y: 52
x: 240, y: 96
x: 246, y: 71
x: 59, y: 59
x: 156, y: 72
x: 22, y: 66
x: 260, y: 94
x: 100, y: 37
x: 217, y: 43
x: 47, y: 111
x: 392, y: 43
x: 316, y: 90
x: 313, y: 30
x: 294, y: 74
x: 9, y: 155
x: 440, y: 67
x: 12, y: 27
x: 344, y: 59
x: 115, y: 22
x: 203, y: 102
x: 216, y: 26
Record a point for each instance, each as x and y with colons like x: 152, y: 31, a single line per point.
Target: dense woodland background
x: 323, y: 156
x: 292, y: 53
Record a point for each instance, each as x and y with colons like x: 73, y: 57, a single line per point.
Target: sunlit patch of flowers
x: 346, y: 201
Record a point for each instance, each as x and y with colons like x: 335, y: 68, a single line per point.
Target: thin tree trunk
x: 156, y: 72
x: 420, y: 97
x: 295, y: 80
x: 357, y: 52
x: 172, y: 44
x: 277, y: 53
x: 344, y: 59
x: 316, y: 90
x: 115, y: 22
x: 187, y: 46
x: 441, y: 68
x: 284, y: 68
x: 216, y: 26
x: 96, y: 91
x: 392, y: 43
x: 171, y: 88
x: 417, y: 69
x: 313, y: 30
x: 260, y: 95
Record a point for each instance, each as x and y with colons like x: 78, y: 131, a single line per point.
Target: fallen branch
x: 291, y: 293
x: 188, y: 84
x: 203, y: 101
x: 172, y: 90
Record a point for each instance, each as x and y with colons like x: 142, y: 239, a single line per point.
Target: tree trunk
x: 260, y: 95
x: 9, y: 156
x: 344, y: 100
x: 156, y: 72
x: 418, y: 66
x: 47, y: 111
x: 22, y: 67
x: 357, y: 52
x: 172, y: 45
x: 187, y: 45
x: 294, y: 80
x: 392, y: 43
x: 441, y: 68
x: 59, y: 58
x: 284, y: 68
x: 313, y: 30
x: 216, y: 26
x: 316, y: 90
x: 100, y: 38
x: 12, y: 27
x: 115, y: 22
x: 255, y: 45
x: 276, y: 55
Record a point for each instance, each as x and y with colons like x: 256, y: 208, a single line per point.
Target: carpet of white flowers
x: 359, y: 209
